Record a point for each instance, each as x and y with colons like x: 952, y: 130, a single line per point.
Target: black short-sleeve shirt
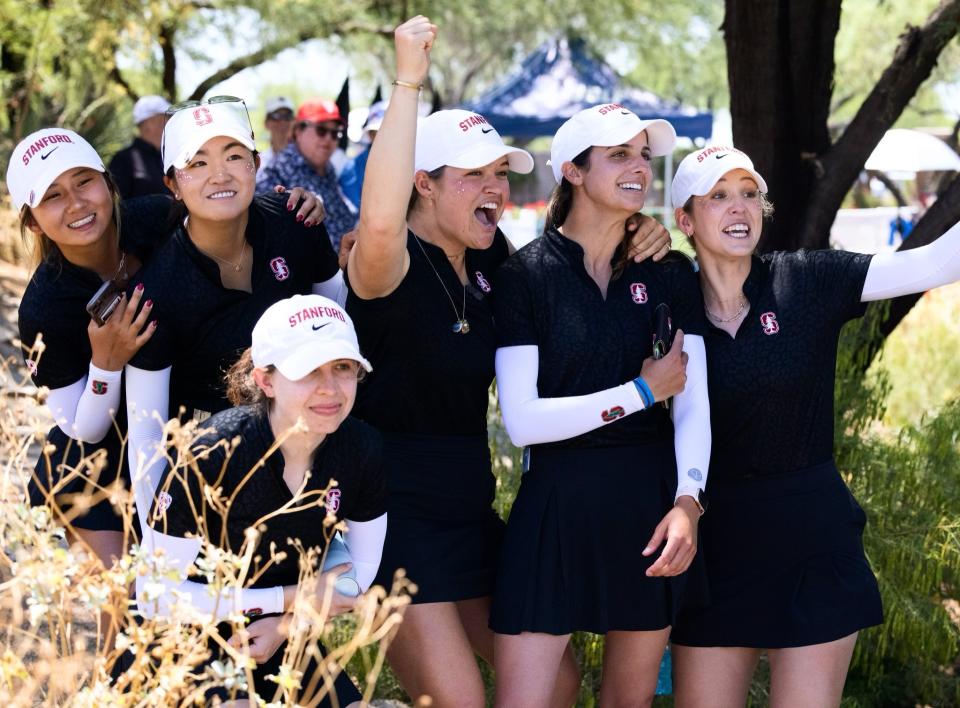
x: 352, y: 456
x: 203, y: 327
x: 427, y: 379
x: 56, y: 298
x: 546, y: 298
x: 771, y: 386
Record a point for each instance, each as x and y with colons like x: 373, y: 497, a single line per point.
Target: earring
x: 176, y: 195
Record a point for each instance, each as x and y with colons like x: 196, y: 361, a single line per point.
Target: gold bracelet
x: 408, y: 84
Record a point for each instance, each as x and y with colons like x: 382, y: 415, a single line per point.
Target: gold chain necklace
x: 237, y: 267
x: 121, y: 269
x: 720, y: 320
x: 461, y: 326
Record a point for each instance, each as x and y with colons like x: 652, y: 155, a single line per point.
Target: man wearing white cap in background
x: 278, y: 122
x: 351, y: 179
x: 138, y: 168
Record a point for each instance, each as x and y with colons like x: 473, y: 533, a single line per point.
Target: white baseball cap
x: 374, y: 119
x: 41, y: 157
x: 190, y: 128
x: 463, y: 139
x: 148, y: 107
x: 303, y: 332
x: 699, y: 171
x: 278, y: 103
x: 605, y: 125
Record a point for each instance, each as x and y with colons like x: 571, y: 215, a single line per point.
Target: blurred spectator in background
x: 351, y: 178
x: 278, y: 122
x: 138, y: 168
x: 306, y: 163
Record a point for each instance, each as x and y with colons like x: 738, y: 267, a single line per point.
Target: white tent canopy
x: 913, y: 151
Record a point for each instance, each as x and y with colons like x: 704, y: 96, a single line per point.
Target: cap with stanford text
x: 303, y: 332
x: 700, y: 170
x: 41, y: 157
x: 319, y: 110
x: 605, y: 125
x: 463, y: 139
x: 190, y: 128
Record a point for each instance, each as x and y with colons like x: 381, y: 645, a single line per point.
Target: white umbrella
x: 912, y: 151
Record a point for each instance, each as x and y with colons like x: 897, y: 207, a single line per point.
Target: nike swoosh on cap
x: 44, y: 157
x: 485, y: 130
x: 720, y: 157
x: 316, y: 327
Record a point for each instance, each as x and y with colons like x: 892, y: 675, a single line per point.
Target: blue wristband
x: 645, y: 393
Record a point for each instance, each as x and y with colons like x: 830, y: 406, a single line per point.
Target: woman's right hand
x: 666, y: 377
x: 122, y: 335
x: 324, y: 592
x: 414, y: 39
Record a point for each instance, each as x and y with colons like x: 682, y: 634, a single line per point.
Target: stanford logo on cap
x: 279, y: 267
x: 609, y: 108
x: 473, y: 120
x: 202, y: 115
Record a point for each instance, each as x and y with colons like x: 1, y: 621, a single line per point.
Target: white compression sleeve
x: 148, y: 401
x: 85, y: 409
x: 691, y: 421
x: 896, y: 273
x: 161, y: 595
x: 364, y: 541
x: 335, y: 288
x: 530, y: 419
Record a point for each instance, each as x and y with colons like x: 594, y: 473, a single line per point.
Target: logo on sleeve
x: 202, y: 115
x: 613, y: 414
x: 638, y: 291
x: 280, y: 269
x: 768, y: 320
x: 482, y: 282
x: 333, y: 501
x: 98, y: 387
x: 164, y: 500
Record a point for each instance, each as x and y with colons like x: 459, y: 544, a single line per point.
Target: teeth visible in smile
x: 737, y: 230
x: 636, y: 186
x: 79, y: 223
x: 223, y: 195
x: 488, y: 205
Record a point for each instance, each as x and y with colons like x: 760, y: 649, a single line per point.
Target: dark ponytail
x: 562, y: 197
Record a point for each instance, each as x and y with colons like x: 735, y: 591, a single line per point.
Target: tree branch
x: 118, y: 79
x: 913, y: 61
x: 270, y: 50
x: 167, y: 32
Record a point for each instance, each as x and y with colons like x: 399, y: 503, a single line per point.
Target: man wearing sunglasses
x: 306, y: 161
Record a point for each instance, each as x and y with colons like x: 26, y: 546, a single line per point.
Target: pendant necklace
x: 461, y: 326
x: 237, y: 267
x: 117, y: 278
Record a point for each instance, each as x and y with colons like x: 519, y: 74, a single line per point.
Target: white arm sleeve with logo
x: 148, y: 403
x: 335, y: 288
x: 530, y: 419
x: 364, y: 541
x: 160, y: 595
x: 82, y: 413
x: 896, y: 273
x: 691, y: 422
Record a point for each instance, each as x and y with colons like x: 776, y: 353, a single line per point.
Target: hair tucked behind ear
x: 415, y: 195
x: 562, y: 197
x: 242, y: 390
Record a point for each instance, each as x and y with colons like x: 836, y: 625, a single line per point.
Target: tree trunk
x: 167, y: 48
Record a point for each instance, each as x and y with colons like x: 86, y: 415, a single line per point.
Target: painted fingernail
x: 148, y: 303
x: 290, y: 207
x: 308, y: 223
x: 153, y: 323
x: 140, y: 287
x: 299, y: 217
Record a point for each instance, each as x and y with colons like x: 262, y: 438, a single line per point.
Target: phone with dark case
x: 104, y: 302
x: 662, y: 334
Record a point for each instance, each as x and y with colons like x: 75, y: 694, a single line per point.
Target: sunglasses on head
x: 213, y: 100
x: 323, y: 131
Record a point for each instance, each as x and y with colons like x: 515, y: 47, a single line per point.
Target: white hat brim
x: 312, y: 355
x: 519, y: 161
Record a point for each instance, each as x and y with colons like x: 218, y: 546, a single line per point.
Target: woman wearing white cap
x: 67, y: 199
x: 785, y: 564
x: 606, y: 469
x: 295, y: 388
x: 230, y: 257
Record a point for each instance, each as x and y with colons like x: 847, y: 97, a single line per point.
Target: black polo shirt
x: 138, y: 170
x: 771, y: 387
x: 546, y: 298
x: 426, y: 378
x: 352, y: 456
x: 203, y: 327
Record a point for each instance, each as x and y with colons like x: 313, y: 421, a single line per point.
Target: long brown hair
x: 242, y: 390
x: 41, y: 246
x: 561, y: 199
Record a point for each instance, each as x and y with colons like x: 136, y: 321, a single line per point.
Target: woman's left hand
x: 650, y: 239
x: 679, y: 529
x: 311, y: 212
x: 264, y: 637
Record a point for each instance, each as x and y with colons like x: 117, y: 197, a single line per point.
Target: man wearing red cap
x: 306, y: 161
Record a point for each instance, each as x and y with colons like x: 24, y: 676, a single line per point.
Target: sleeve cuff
x: 103, y: 375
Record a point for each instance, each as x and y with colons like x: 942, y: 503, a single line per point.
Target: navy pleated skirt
x: 74, y: 494
x: 784, y: 564
x: 571, y: 558
x: 441, y: 526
